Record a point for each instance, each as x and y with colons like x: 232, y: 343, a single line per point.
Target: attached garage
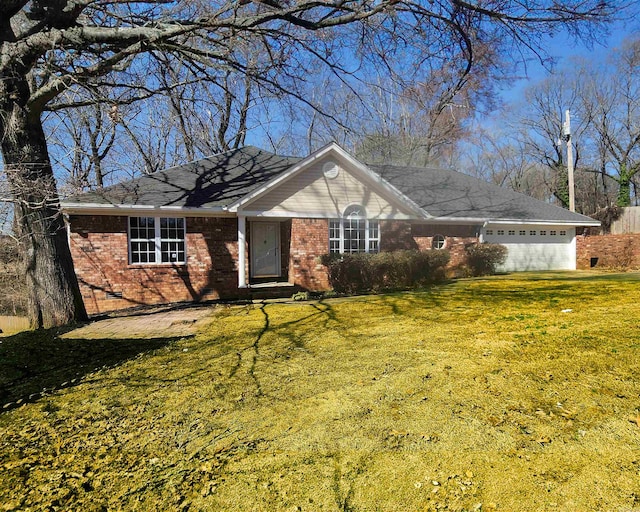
x: 534, y: 247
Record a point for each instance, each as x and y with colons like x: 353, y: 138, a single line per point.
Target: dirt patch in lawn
x: 518, y: 393
x: 34, y: 364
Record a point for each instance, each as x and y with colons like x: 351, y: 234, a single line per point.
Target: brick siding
x: 608, y: 251
x: 99, y: 247
x: 400, y: 235
x: 309, y: 240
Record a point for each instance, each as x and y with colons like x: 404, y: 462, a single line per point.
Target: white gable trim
x: 362, y: 169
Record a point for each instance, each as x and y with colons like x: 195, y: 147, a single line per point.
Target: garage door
x: 535, y: 248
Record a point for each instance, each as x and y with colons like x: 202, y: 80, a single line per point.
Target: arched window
x: 354, y: 232
x: 438, y: 242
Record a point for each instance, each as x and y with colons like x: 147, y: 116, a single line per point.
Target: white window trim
x: 367, y: 238
x: 435, y: 242
x: 157, y: 240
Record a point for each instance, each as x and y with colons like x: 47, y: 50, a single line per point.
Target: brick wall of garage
x: 608, y: 251
x: 99, y: 247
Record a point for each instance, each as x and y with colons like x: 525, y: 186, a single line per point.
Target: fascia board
x: 125, y: 209
x: 307, y: 215
x: 484, y: 220
x: 517, y: 222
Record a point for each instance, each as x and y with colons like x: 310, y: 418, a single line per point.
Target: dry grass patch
x: 481, y: 394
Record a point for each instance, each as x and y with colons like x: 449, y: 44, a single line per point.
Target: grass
x: 484, y: 394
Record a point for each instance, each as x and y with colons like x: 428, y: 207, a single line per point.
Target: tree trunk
x: 54, y: 294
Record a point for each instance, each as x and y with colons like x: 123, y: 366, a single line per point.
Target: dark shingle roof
x: 448, y: 193
x: 221, y: 180
x: 215, y: 181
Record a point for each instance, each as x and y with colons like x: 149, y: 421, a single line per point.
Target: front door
x: 265, y: 249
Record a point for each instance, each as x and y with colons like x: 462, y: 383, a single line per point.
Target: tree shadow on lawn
x: 35, y: 362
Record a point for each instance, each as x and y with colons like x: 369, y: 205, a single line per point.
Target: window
x: 552, y: 232
x: 156, y: 240
x: 563, y: 232
x: 522, y: 232
x: 532, y: 232
x: 500, y: 232
x: 512, y: 232
x: 489, y: 232
x: 543, y: 232
x: 354, y: 232
x: 438, y: 242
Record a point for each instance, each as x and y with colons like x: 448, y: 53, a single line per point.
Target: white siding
x: 310, y: 192
x: 539, y: 248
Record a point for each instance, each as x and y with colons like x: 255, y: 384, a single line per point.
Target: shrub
x: 483, y: 259
x: 356, y: 273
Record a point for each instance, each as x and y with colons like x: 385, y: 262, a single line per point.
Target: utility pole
x: 566, y: 132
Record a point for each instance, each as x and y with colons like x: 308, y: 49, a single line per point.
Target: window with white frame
x: 438, y: 242
x: 354, y: 232
x: 157, y: 240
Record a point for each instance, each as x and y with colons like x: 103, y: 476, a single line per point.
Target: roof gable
x: 306, y: 181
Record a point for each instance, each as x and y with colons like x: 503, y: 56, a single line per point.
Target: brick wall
x: 400, y: 235
x: 309, y: 240
x: 395, y: 235
x: 454, y: 244
x: 99, y: 247
x: 608, y: 251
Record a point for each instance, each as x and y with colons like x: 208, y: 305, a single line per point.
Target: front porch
x: 281, y: 254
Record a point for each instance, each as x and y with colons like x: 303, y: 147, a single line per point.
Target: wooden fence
x: 629, y: 221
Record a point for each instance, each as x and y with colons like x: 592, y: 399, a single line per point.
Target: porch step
x: 274, y: 290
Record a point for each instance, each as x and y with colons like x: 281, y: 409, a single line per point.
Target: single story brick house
x: 245, y: 219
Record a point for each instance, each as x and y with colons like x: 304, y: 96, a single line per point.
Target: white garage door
x: 535, y: 248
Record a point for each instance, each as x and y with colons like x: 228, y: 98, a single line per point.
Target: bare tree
x: 613, y: 99
x: 499, y: 156
x: 48, y: 48
x: 540, y: 126
x: 80, y: 141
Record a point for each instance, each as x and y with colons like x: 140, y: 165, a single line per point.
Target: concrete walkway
x: 160, y: 322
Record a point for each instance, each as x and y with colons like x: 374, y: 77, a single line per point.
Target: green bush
x: 357, y: 273
x: 483, y: 259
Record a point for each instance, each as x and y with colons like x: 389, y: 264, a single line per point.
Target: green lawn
x: 508, y: 393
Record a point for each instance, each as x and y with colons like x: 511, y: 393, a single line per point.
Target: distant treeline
x: 13, y: 298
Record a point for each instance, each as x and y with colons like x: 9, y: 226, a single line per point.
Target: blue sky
x: 562, y: 48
